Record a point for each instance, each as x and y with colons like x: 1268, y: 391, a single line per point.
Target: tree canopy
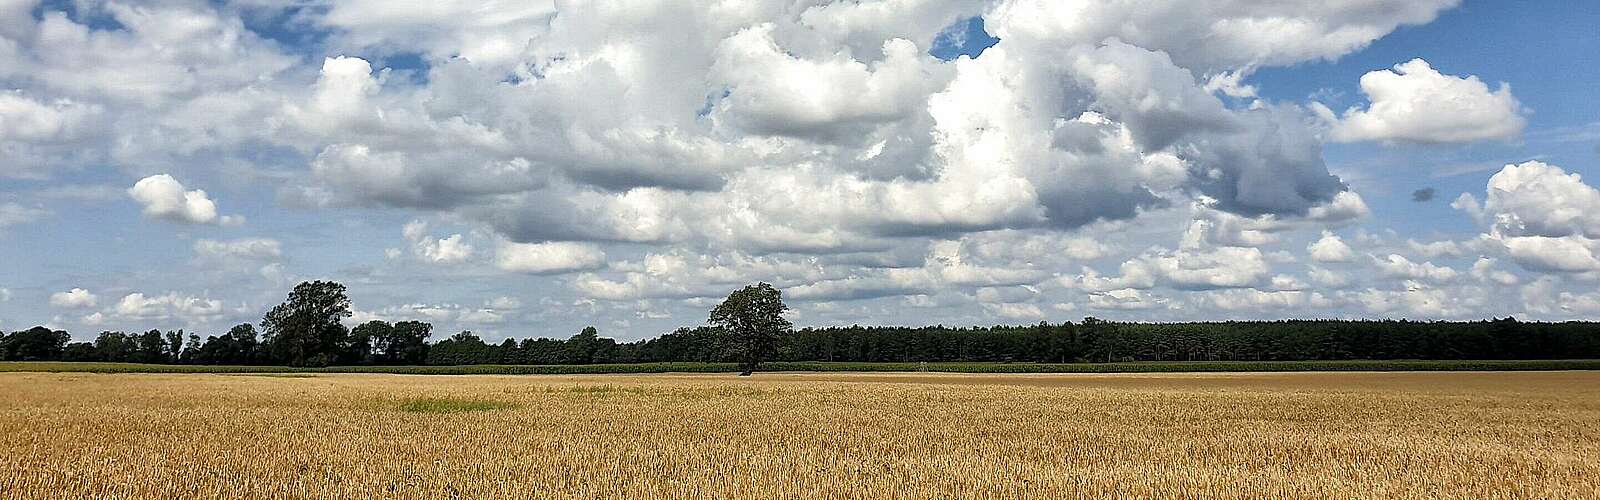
x: 749, y: 328
x: 305, y: 330
x: 752, y: 319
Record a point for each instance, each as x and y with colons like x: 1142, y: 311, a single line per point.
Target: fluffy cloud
x: 493, y: 312
x: 1016, y: 312
x: 489, y: 33
x: 1327, y: 277
x: 1218, y: 34
x: 1259, y: 300
x: 1443, y: 248
x: 1420, y: 300
x: 1226, y: 267
x: 1543, y: 253
x: 1414, y: 102
x: 548, y: 258
x: 1538, y: 199
x: 1330, y: 249
x: 138, y: 307
x: 1222, y: 268
x: 602, y: 140
x: 644, y: 157
x: 159, y: 52
x: 25, y: 119
x: 771, y: 92
x: 1397, y: 266
x: 1126, y: 299
x: 1545, y: 296
x: 163, y: 197
x: 76, y: 298
x: 38, y: 136
x: 1484, y: 270
x: 1542, y: 216
x: 448, y: 250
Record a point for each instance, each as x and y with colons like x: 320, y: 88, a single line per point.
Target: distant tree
x: 464, y: 348
x: 115, y: 347
x: 305, y: 330
x: 507, y: 352
x: 80, y: 351
x: 242, y: 344
x: 34, y: 344
x: 543, y: 351
x: 152, y: 347
x: 367, y: 341
x: 581, y: 348
x: 174, y: 348
x: 752, y: 319
x: 1092, y: 338
x: 191, y: 350
x: 408, y: 343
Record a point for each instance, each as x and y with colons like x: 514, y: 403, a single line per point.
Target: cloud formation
x: 163, y: 197
x: 546, y: 258
x: 76, y: 298
x: 1413, y: 102
x: 630, y: 161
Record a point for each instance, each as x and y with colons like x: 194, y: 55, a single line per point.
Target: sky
x: 524, y: 168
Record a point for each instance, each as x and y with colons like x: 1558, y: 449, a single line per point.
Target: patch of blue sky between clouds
x: 964, y: 38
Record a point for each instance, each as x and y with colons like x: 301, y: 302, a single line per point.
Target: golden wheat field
x: 1308, y: 435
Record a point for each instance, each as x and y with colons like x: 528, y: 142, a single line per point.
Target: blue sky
x: 534, y: 171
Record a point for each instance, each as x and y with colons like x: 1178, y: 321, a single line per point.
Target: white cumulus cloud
x: 163, y: 197
x: 1416, y: 103
x: 76, y: 298
x: 548, y: 258
x: 1330, y: 249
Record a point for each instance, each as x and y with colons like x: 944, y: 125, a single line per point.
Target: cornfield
x: 824, y: 435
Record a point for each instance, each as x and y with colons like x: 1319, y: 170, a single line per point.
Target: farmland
x: 826, y: 366
x: 803, y: 435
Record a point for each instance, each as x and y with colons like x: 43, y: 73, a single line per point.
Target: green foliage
x: 752, y: 318
x: 238, y: 346
x: 305, y: 330
x: 461, y: 348
x: 37, y: 343
x: 587, y: 346
x: 748, y: 330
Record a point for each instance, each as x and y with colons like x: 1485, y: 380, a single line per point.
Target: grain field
x: 1268, y: 435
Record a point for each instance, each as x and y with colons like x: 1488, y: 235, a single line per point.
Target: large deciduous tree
x: 408, y: 343
x: 752, y: 321
x: 306, y: 329
x: 367, y: 341
x: 581, y: 348
x: 242, y: 344
x: 34, y: 344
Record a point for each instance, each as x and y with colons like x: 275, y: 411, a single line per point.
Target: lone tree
x: 305, y: 329
x: 752, y: 320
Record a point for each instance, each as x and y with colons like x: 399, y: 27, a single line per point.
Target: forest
x: 1090, y: 340
x: 307, y: 330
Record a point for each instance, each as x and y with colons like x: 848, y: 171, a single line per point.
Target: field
x: 823, y: 366
x: 803, y: 435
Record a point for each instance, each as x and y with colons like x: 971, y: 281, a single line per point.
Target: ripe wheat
x: 1304, y: 435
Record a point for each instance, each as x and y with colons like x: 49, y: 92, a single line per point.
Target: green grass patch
x: 822, y: 366
x: 451, y: 405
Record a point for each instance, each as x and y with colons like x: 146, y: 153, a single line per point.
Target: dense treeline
x: 308, y: 330
x: 405, y: 343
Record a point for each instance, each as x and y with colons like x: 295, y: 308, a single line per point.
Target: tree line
x: 748, y: 328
